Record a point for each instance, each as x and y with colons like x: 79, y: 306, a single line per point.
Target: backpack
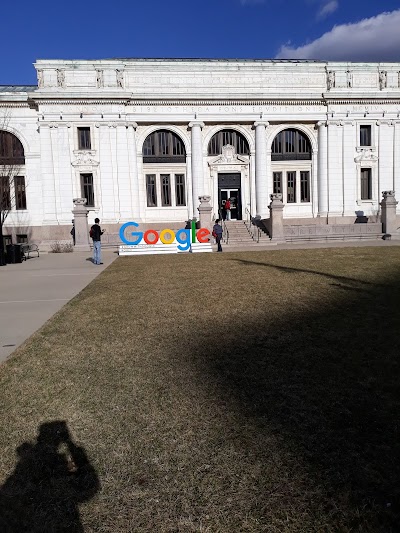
x: 91, y: 232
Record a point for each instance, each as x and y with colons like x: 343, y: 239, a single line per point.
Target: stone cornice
x: 366, y: 101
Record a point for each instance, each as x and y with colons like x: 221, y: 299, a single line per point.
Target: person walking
x: 228, y: 209
x: 217, y: 233
x: 96, y: 232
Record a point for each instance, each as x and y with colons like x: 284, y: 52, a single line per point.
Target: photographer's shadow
x: 53, y: 476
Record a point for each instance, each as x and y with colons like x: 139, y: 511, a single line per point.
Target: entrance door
x: 229, y: 187
x: 234, y: 196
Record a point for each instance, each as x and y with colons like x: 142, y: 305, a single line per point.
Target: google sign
x: 165, y: 241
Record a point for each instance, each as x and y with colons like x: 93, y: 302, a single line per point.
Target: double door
x: 234, y: 196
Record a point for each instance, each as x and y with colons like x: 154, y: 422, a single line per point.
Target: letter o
x: 171, y: 239
x: 146, y: 236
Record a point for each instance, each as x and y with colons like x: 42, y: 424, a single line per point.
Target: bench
x: 28, y: 249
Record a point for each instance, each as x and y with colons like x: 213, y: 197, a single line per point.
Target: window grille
x: 180, y: 189
x: 20, y: 196
x: 87, y: 189
x: 22, y: 239
x: 291, y: 144
x: 11, y: 149
x: 304, y: 186
x: 277, y: 182
x: 165, y: 190
x: 163, y: 146
x: 5, y: 196
x: 291, y: 187
x: 224, y: 137
x: 151, y: 190
x: 366, y: 184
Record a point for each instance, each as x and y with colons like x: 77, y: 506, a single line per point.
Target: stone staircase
x: 239, y: 235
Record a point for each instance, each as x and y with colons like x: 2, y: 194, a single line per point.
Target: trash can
x: 14, y: 253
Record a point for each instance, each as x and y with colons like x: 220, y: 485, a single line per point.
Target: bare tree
x: 11, y: 161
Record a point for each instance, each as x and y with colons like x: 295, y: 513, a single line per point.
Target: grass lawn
x: 211, y: 393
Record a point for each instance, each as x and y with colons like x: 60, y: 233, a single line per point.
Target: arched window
x: 224, y: 137
x: 163, y: 146
x: 11, y: 149
x: 291, y: 145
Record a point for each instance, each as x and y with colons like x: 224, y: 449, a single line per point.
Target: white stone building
x: 142, y: 139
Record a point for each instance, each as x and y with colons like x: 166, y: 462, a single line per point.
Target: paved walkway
x: 31, y: 292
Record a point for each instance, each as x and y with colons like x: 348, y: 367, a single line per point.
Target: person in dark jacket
x: 217, y: 233
x: 96, y: 232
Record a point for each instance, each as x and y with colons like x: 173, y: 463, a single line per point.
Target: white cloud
x: 327, y: 9
x: 373, y: 39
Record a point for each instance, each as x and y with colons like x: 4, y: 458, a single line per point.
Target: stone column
x: 388, y: 206
x: 133, y: 170
x: 386, y: 153
x: 396, y: 162
x: 335, y: 168
x: 261, y: 169
x: 349, y: 169
x: 197, y: 161
x: 276, y: 218
x: 205, y: 212
x: 47, y: 177
x: 323, y: 204
x: 80, y: 213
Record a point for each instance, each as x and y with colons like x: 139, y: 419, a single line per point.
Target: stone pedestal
x: 388, y: 206
x: 205, y: 212
x: 276, y: 218
x: 80, y: 213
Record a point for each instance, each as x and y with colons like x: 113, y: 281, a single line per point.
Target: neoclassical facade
x: 142, y: 139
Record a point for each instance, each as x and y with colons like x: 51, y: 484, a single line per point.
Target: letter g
x: 138, y: 234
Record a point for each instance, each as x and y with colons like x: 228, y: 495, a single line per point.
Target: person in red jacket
x: 228, y: 209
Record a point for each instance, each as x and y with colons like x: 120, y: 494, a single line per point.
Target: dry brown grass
x: 220, y: 393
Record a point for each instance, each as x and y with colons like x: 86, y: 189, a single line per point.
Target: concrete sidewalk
x: 31, y: 292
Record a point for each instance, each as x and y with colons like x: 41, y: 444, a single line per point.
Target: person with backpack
x: 95, y: 233
x: 217, y: 233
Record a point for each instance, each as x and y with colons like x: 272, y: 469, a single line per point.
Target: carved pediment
x: 84, y: 158
x: 367, y: 156
x: 229, y: 157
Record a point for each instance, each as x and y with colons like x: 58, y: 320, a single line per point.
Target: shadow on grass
x: 293, y: 270
x: 51, y: 478
x: 326, y: 380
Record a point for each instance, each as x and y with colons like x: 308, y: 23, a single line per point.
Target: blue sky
x: 367, y: 30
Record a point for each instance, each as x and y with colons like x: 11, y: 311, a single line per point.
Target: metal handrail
x: 251, y: 224
x: 225, y: 231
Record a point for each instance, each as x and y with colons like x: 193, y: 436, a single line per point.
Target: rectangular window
x: 22, y: 239
x: 7, y: 239
x: 291, y: 187
x: 151, y: 190
x: 304, y: 186
x: 366, y: 184
x: 87, y: 189
x: 365, y: 136
x: 84, y: 142
x: 5, y: 197
x: 180, y: 189
x: 20, y: 196
x: 165, y: 190
x: 277, y: 185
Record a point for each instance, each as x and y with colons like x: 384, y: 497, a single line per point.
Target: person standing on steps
x: 96, y: 232
x: 228, y: 209
x: 217, y: 233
